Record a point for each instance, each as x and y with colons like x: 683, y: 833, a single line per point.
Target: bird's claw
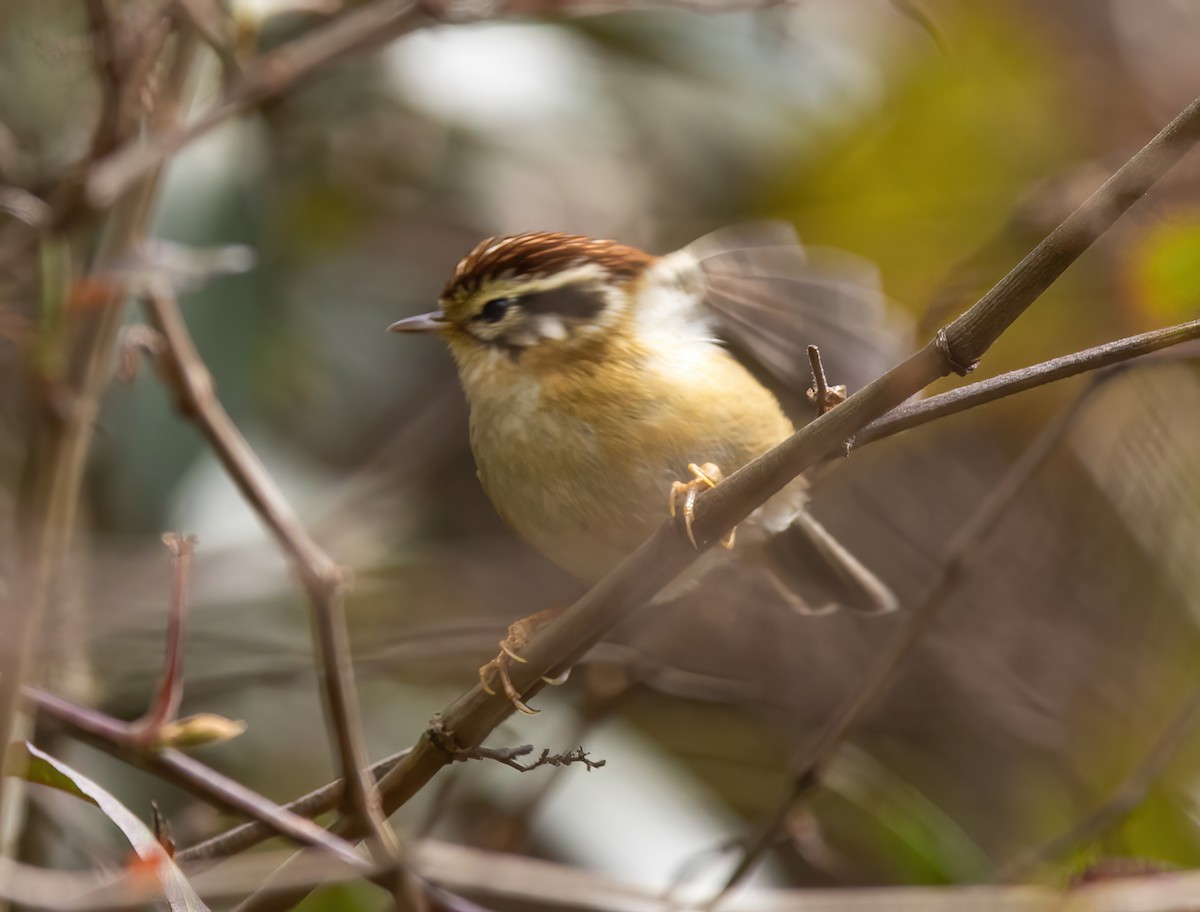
x: 703, y: 477
x: 519, y: 633
x: 500, y: 666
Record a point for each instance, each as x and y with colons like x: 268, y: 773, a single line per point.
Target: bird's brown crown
x: 539, y: 254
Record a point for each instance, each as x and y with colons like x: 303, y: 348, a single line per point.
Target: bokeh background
x: 939, y: 142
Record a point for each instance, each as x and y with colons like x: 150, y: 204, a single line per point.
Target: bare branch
x: 315, y: 803
x: 184, y: 373
x: 510, y: 881
x: 106, y: 58
x: 169, y: 693
x: 115, y: 737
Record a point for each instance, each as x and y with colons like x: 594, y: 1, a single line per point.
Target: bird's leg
x: 703, y: 476
x: 519, y: 633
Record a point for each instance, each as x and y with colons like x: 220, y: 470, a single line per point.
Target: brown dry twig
x: 248, y: 835
x: 266, y: 78
x: 169, y: 693
x: 115, y: 737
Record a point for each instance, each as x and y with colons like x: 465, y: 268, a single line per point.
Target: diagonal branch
x: 116, y: 738
x: 184, y: 373
x: 666, y: 553
x: 247, y: 835
x: 1128, y: 795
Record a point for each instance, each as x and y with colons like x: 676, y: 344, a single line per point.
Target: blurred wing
x: 773, y: 298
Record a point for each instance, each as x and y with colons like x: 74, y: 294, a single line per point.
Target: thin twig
x: 277, y: 72
x: 913, y: 414
x: 184, y: 373
x: 509, y: 881
x: 315, y: 803
x: 666, y: 553
x: 169, y: 692
x: 821, y: 393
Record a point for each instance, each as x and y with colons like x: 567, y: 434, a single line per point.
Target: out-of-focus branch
x: 667, y: 553
x: 120, y: 740
x: 63, y: 435
x: 512, y: 881
x: 808, y: 772
x: 184, y: 373
x: 169, y: 692
x: 364, y: 28
x: 268, y: 77
x: 106, y: 59
x: 1128, y: 795
x: 315, y: 803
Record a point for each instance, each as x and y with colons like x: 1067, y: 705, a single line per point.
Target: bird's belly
x: 575, y: 496
x: 583, y: 494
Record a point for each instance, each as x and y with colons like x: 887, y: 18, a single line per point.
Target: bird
x: 599, y: 376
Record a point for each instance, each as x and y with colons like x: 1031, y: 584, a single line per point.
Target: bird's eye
x: 494, y: 310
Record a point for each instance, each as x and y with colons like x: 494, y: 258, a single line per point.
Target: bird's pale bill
x: 421, y: 323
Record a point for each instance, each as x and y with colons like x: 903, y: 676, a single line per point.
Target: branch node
x: 445, y: 739
x: 943, y: 346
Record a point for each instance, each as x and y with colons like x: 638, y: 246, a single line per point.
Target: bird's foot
x: 703, y: 477
x: 519, y: 633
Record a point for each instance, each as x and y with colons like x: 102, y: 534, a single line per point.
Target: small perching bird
x: 597, y: 379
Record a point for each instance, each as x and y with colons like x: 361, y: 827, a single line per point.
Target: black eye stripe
x: 581, y: 302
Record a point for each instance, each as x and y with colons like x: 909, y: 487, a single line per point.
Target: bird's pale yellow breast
x: 579, y: 457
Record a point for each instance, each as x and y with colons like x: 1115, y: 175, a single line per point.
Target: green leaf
x: 25, y: 761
